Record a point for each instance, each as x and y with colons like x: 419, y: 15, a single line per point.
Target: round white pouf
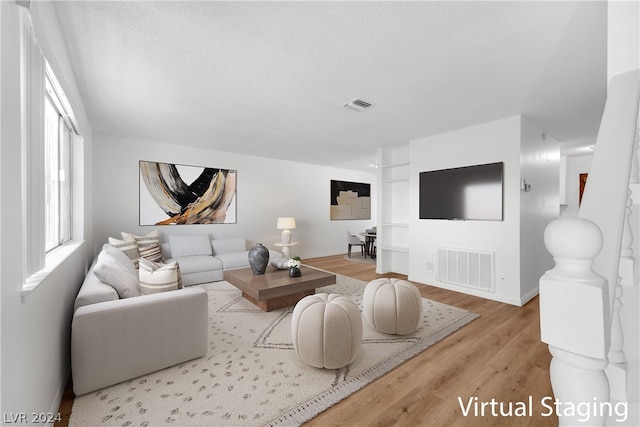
x: 326, y: 330
x: 392, y: 306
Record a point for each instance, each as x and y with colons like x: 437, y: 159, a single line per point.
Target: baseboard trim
x: 529, y: 296
x: 469, y: 291
x: 57, y: 401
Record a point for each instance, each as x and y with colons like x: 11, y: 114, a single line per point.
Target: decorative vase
x: 258, y: 258
x: 294, y: 272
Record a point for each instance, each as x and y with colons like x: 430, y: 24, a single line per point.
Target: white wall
x: 623, y: 37
x: 497, y: 141
x: 267, y: 188
x: 36, y: 330
x: 518, y: 241
x: 540, y: 167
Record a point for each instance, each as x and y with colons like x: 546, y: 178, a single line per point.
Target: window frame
x: 61, y: 186
x: 38, y: 265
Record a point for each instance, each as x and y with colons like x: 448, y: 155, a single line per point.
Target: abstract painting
x: 173, y: 194
x: 350, y: 200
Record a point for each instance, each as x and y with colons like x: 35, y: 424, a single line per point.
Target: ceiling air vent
x: 357, y: 105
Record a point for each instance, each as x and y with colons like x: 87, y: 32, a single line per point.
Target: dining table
x: 369, y: 246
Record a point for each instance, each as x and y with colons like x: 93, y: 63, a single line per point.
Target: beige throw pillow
x: 148, y: 245
x: 156, y: 277
x: 129, y: 246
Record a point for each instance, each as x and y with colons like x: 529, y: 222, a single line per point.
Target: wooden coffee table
x: 274, y: 289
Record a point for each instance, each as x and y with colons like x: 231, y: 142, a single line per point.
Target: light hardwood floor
x: 497, y: 356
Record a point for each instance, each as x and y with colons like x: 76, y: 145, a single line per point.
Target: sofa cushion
x: 234, y: 259
x: 240, y: 259
x: 198, y: 264
x: 222, y: 246
x: 128, y: 246
x: 148, y: 245
x: 181, y: 246
x: 109, y: 270
x: 156, y: 277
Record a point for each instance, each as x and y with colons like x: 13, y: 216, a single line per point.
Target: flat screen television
x: 465, y: 193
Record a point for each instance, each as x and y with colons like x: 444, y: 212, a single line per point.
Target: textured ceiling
x: 270, y: 78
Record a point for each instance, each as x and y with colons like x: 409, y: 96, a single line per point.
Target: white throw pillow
x: 156, y: 277
x: 189, y: 245
x: 148, y: 245
x: 109, y: 270
x: 122, y: 258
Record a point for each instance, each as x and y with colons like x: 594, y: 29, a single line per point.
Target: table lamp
x: 286, y: 223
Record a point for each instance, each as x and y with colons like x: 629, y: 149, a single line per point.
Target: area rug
x: 251, y: 375
x: 359, y: 258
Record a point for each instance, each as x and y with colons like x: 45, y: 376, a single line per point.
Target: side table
x: 286, y: 248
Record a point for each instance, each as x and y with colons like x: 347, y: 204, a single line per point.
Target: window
x: 58, y: 132
x: 51, y: 149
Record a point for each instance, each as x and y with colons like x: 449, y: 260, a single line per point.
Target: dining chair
x: 354, y: 241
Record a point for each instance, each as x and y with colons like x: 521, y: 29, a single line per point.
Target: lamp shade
x: 286, y: 223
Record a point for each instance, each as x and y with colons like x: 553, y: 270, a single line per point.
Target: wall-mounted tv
x: 465, y: 193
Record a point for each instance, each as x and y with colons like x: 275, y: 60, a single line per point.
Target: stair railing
x: 581, y: 297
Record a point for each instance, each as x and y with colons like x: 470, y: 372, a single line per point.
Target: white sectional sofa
x: 114, y: 339
x: 203, y: 261
x: 118, y: 334
x: 195, y: 257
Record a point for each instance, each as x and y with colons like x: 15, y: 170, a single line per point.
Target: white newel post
x: 575, y: 317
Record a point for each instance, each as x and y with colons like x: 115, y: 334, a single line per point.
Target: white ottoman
x: 392, y: 306
x: 326, y: 330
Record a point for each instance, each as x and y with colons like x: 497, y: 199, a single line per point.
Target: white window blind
x: 32, y: 117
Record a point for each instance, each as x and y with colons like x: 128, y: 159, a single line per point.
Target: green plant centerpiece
x: 294, y: 267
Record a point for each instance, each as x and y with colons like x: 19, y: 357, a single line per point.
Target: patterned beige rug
x: 251, y: 376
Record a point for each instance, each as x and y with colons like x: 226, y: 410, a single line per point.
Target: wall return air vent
x: 464, y: 267
x: 357, y: 105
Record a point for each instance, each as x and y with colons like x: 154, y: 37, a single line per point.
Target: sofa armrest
x: 115, y: 341
x: 94, y: 291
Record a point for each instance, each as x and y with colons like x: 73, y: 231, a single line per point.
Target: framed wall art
x: 172, y: 194
x: 350, y: 200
